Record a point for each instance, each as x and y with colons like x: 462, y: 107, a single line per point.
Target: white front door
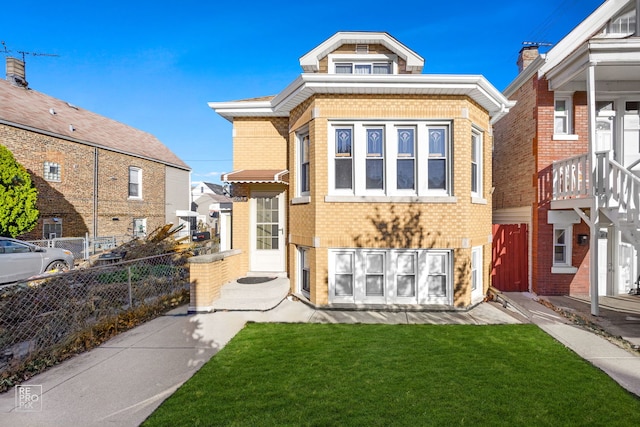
x: 267, y: 232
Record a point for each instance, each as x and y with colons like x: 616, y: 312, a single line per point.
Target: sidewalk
x: 123, y: 381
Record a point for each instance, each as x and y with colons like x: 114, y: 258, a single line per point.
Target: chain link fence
x: 38, y: 315
x: 83, y: 247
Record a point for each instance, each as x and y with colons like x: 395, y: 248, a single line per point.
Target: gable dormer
x: 362, y: 53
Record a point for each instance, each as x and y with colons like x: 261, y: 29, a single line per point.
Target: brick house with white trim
x: 366, y: 182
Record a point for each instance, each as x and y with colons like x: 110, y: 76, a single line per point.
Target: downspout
x: 593, y: 214
x: 95, y: 192
x: 637, y: 18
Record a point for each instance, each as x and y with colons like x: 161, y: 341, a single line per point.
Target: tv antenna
x: 7, y: 51
x: 537, y: 44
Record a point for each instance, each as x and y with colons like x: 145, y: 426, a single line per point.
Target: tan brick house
x: 566, y: 158
x: 366, y: 182
x: 94, y: 175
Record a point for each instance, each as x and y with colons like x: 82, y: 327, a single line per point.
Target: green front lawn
x: 382, y: 375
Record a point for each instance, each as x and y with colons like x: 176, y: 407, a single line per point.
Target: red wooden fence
x: 510, y: 261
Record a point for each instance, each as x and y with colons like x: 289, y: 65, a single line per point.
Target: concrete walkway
x: 123, y: 381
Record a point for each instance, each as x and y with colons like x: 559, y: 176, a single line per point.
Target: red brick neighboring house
x: 566, y: 158
x: 94, y: 175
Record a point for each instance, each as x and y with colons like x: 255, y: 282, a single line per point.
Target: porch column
x: 593, y: 214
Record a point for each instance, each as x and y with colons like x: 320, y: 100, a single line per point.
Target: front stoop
x: 265, y: 296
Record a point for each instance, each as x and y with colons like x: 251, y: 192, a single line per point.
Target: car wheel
x: 57, y: 266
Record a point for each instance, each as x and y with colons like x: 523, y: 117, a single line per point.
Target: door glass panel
x: 267, y: 227
x: 631, y: 145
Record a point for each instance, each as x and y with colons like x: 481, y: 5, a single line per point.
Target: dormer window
x: 363, y: 68
x: 362, y: 64
x: 624, y: 24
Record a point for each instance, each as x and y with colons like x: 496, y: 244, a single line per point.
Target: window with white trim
x: 562, y: 240
x: 344, y: 272
x: 562, y: 115
x: 390, y: 159
x: 406, y: 163
x: 476, y: 264
x: 343, y: 153
x: 305, y: 271
x: 363, y: 68
x: 437, y: 269
x: 476, y: 163
x: 374, y: 274
x: 406, y: 273
x: 52, y: 171
x: 375, y: 159
x: 624, y: 24
x: 305, y: 177
x: 391, y: 276
x: 135, y: 183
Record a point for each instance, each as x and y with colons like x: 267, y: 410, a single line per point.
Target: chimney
x: 527, y: 55
x: 15, y: 72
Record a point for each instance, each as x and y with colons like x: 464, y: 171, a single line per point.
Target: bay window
x: 392, y: 158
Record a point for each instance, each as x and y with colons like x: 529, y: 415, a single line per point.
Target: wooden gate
x: 510, y: 260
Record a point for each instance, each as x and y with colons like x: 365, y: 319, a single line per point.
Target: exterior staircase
x: 618, y: 194
x: 617, y: 190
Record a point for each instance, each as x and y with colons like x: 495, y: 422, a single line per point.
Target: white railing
x: 617, y: 187
x: 571, y: 178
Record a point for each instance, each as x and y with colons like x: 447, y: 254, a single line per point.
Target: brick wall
x: 524, y: 152
x: 72, y: 198
x: 421, y: 225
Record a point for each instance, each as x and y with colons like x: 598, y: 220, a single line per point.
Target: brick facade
x: 524, y: 152
x: 72, y: 198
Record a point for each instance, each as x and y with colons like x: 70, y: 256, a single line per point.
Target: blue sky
x: 154, y: 65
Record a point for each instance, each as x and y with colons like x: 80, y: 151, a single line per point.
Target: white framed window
x: 562, y: 113
x: 406, y: 275
x: 390, y: 158
x: 362, y: 62
x: 406, y: 163
x: 390, y: 276
x: 476, y: 163
x: 139, y: 227
x: 623, y: 25
x: 305, y: 271
x: 52, y: 171
x: 343, y: 278
x: 375, y: 274
x: 135, y: 183
x: 438, y: 268
x: 562, y: 242
x: 343, y: 158
x: 304, y: 174
x: 363, y: 68
x: 51, y: 228
x: 374, y: 169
